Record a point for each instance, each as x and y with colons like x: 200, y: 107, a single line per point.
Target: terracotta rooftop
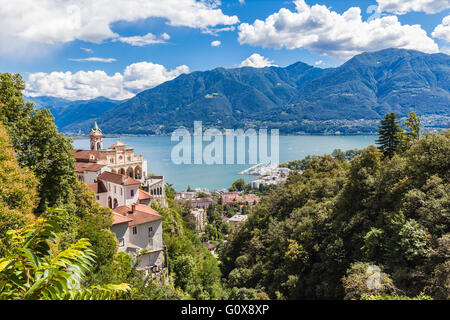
x: 144, y: 195
x: 118, y: 219
x: 118, y: 179
x: 86, y: 154
x: 142, y: 214
x: 87, y: 166
x: 97, y: 187
x: 132, y: 245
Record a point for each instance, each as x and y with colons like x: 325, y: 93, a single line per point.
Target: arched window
x: 110, y: 203
x: 130, y: 172
x: 137, y: 172
x: 116, y: 204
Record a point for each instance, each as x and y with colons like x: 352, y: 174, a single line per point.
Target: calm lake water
x: 157, y: 151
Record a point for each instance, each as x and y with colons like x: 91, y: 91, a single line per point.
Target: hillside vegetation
x: 323, y: 234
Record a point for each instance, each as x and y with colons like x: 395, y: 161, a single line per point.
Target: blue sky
x: 59, y: 55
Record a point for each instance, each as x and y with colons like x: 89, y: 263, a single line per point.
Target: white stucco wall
x: 122, y: 231
x: 129, y: 199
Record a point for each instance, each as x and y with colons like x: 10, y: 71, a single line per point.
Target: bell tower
x: 96, y: 136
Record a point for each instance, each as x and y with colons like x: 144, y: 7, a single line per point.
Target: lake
x: 157, y: 151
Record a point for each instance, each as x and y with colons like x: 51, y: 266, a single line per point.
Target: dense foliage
x: 302, y: 240
x: 17, y: 189
x: 194, y: 268
x: 31, y: 269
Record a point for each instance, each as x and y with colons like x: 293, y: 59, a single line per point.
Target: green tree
x: 37, y: 144
x: 184, y: 270
x: 366, y: 279
x: 238, y: 185
x: 17, y: 189
x: 31, y: 270
x: 413, y: 125
x: 390, y: 135
x: 414, y: 131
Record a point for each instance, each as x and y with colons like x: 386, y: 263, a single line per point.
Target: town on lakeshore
x: 120, y: 180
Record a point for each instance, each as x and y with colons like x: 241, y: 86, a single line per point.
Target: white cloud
x: 405, y: 6
x: 215, y: 31
x: 318, y: 63
x: 442, y: 31
x: 140, y: 41
x: 94, y: 59
x: 257, y: 61
x: 321, y: 30
x: 87, y: 50
x: 56, y: 21
x: 216, y: 43
x: 144, y: 75
x: 91, y: 84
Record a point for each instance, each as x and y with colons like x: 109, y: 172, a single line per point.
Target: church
x: 118, y: 158
x: 120, y: 181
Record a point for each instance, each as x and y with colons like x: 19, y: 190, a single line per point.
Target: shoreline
x: 77, y: 137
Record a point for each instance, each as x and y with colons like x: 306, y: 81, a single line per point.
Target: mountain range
x: 296, y: 99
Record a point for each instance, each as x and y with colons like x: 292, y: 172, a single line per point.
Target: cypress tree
x: 390, y: 135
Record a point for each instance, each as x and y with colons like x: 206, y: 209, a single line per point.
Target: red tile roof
x: 118, y: 219
x: 87, y: 166
x: 143, y: 195
x: 142, y: 214
x: 97, y: 187
x: 118, y: 179
x: 86, y: 154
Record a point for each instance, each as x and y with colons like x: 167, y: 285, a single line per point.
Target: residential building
x: 230, y: 198
x: 155, y: 186
x: 210, y: 247
x: 138, y: 229
x: 237, y: 219
x: 184, y: 195
x: 114, y: 190
x: 203, y: 203
x: 199, y: 218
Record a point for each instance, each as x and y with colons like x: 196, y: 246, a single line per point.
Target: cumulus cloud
x: 94, y: 59
x: 403, y: 7
x: 257, y: 61
x: 56, y: 21
x: 141, y: 41
x: 91, y: 84
x: 216, y: 43
x: 321, y: 30
x: 442, y: 31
